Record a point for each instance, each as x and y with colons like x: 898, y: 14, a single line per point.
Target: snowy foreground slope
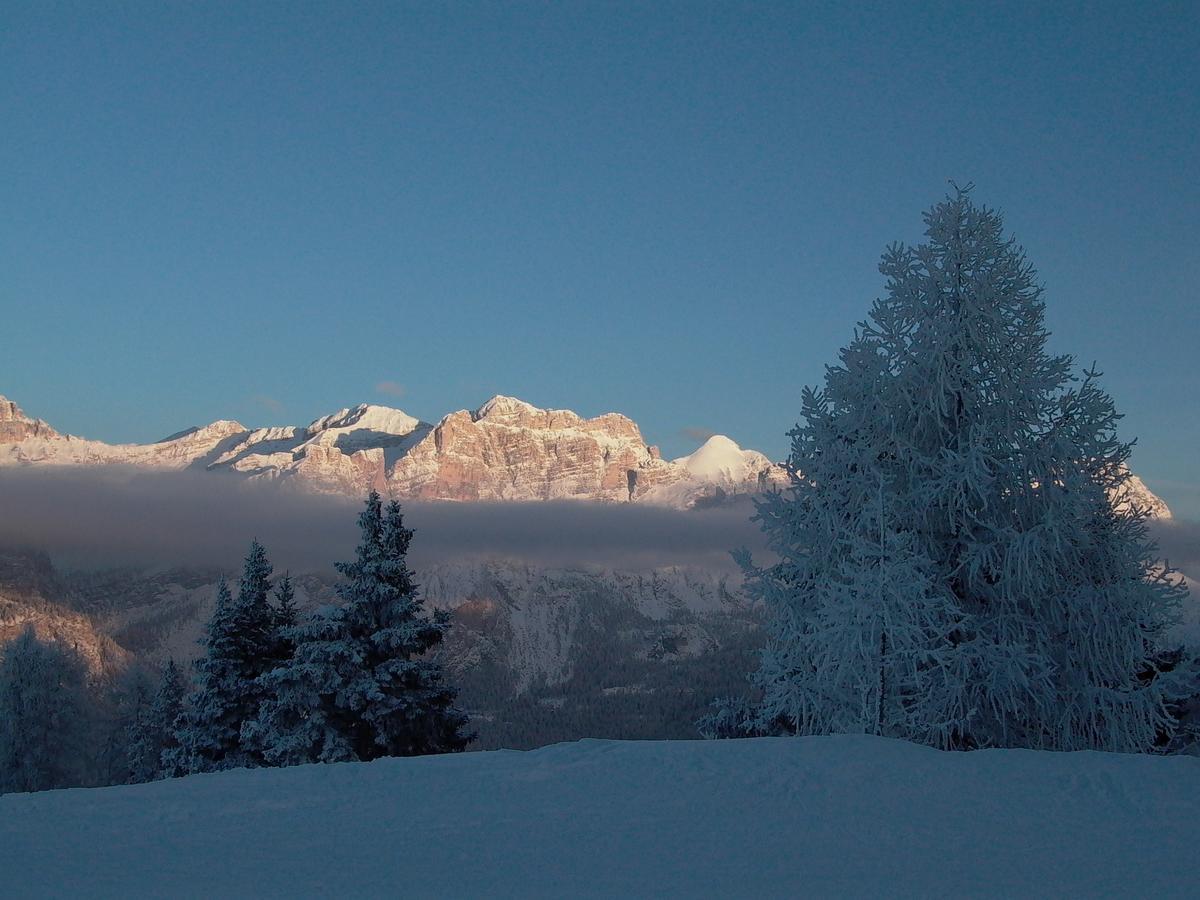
x: 846, y: 815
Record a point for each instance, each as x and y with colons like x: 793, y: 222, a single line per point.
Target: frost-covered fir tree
x: 1182, y: 668
x: 362, y: 683
x: 953, y: 565
x: 152, y: 742
x: 283, y: 621
x: 43, y: 715
x: 254, y: 616
x: 239, y: 644
x: 141, y: 752
x: 167, y: 712
x: 206, y: 736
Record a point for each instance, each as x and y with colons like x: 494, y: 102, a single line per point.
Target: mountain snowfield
x: 850, y: 815
x: 506, y: 449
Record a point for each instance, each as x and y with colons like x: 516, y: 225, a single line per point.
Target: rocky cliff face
x: 538, y: 654
x: 16, y: 427
x: 504, y: 450
x: 509, y: 450
x: 33, y: 595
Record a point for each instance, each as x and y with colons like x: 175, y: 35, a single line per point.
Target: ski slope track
x: 834, y: 816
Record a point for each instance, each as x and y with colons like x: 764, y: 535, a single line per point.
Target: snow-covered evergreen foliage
x: 167, y: 713
x: 734, y: 717
x: 43, y: 715
x: 285, y: 603
x: 254, y: 618
x: 205, y: 736
x: 141, y: 749
x: 1180, y: 671
x: 953, y: 568
x: 283, y: 621
x: 240, y: 646
x: 361, y: 683
x: 153, y: 745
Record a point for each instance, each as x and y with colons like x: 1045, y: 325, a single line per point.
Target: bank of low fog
x: 109, y: 517
x: 89, y: 518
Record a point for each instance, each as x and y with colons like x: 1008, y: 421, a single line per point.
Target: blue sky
x: 264, y: 211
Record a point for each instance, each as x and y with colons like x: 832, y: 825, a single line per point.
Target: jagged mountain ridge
x: 506, y: 449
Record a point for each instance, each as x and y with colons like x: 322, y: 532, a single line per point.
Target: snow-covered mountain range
x: 506, y: 449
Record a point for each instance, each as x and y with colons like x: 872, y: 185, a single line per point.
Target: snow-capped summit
x: 219, y: 429
x: 365, y: 426
x: 501, y: 406
x: 720, y: 460
x: 379, y: 419
x: 1137, y: 494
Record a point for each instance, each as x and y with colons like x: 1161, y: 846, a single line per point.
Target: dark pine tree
x: 152, y: 735
x: 363, y: 682
x: 228, y: 690
x: 167, y: 712
x: 284, y: 618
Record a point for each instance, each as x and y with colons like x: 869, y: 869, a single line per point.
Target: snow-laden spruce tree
x: 283, y: 620
x: 205, y: 736
x: 141, y: 754
x: 43, y: 715
x: 239, y: 644
x: 953, y: 568
x: 361, y: 683
x: 152, y: 733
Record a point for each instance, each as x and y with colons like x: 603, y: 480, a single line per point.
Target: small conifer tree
x: 239, y: 645
x: 152, y: 741
x: 361, y: 683
x: 283, y: 621
x: 43, y: 715
x: 168, y: 712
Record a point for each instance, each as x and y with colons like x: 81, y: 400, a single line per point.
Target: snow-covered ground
x: 770, y: 817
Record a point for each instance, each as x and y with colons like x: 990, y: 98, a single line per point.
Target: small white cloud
x: 270, y: 404
x: 392, y: 388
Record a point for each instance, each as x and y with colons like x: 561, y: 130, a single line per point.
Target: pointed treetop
x: 224, y: 597
x: 256, y: 573
x: 396, y: 537
x: 285, y: 606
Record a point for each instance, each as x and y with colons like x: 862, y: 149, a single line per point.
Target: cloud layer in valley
x: 111, y: 516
